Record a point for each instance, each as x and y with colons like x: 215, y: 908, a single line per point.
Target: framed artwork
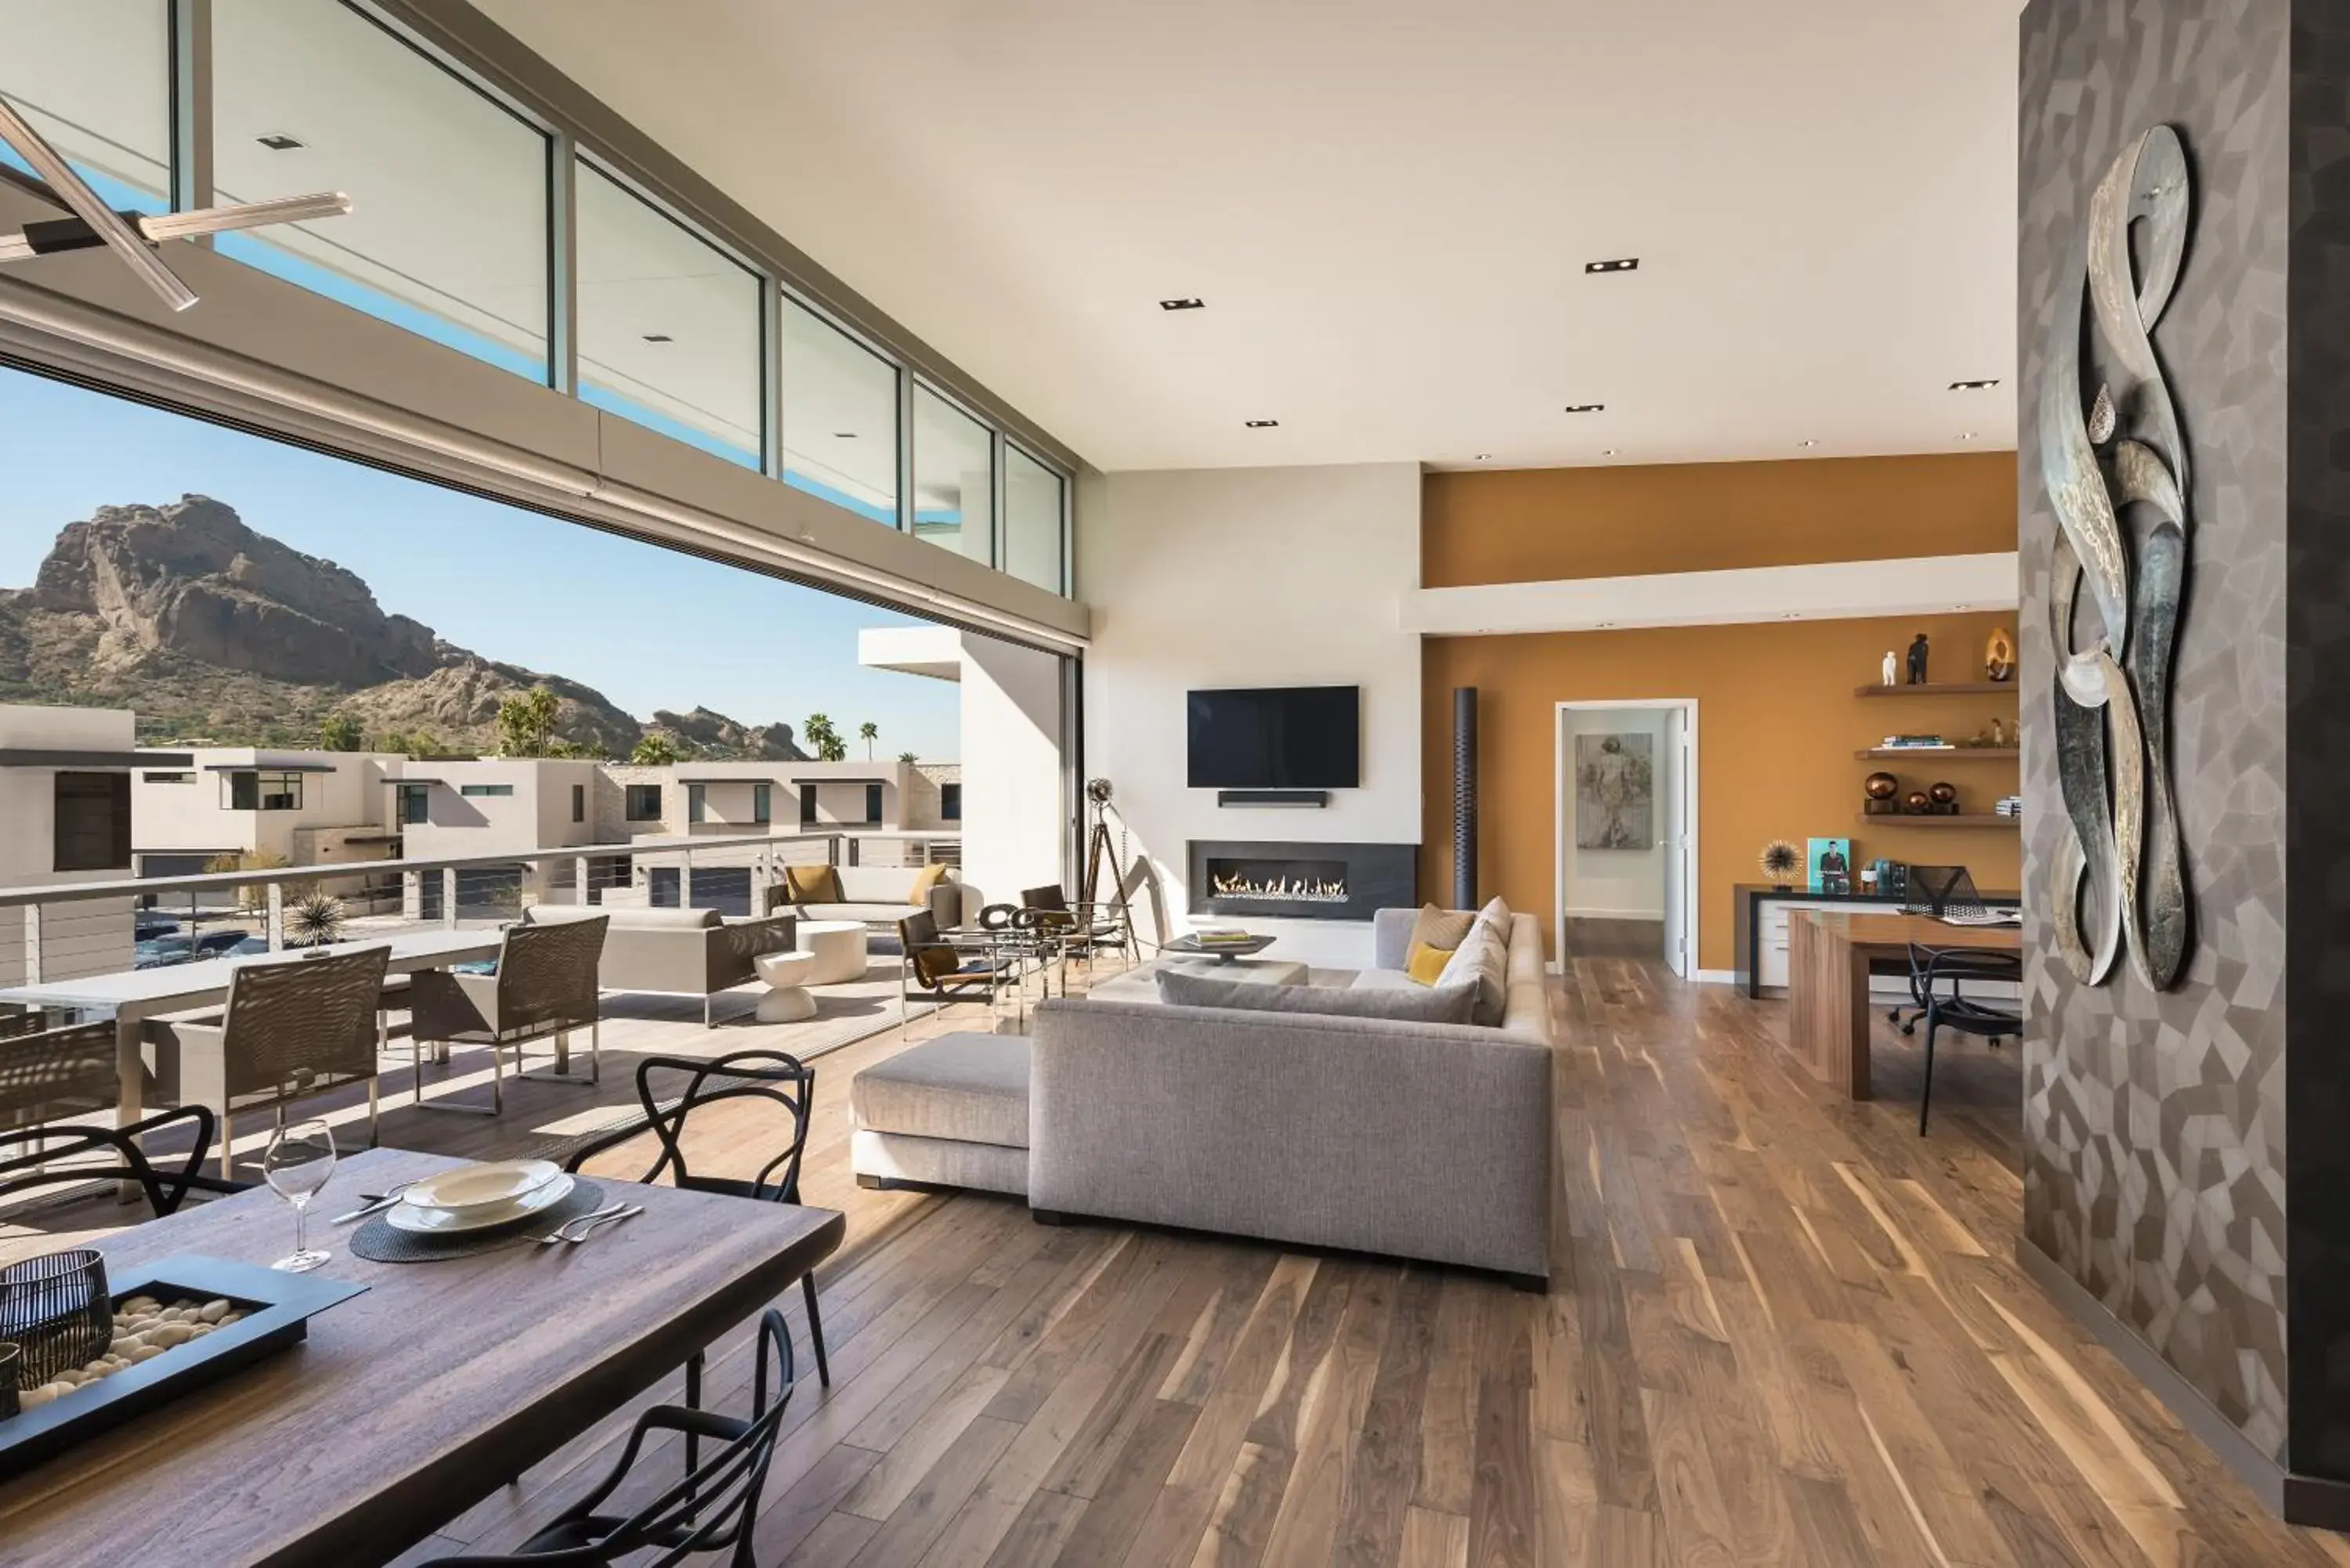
x: 1615, y: 792
x: 1830, y: 865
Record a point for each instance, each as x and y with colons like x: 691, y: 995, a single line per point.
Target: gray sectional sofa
x: 1428, y: 1141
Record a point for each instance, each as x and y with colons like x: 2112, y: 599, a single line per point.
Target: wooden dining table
x: 411, y: 1402
x: 1830, y: 953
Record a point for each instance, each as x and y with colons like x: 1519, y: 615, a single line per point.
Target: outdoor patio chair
x: 290, y: 1030
x: 544, y: 987
x: 941, y: 971
x: 50, y: 1083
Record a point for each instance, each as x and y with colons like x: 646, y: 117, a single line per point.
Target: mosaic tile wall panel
x: 2154, y: 1122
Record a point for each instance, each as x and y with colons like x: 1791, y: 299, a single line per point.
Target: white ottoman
x: 787, y: 974
x: 836, y: 949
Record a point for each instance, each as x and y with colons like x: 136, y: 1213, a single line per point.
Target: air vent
x: 659, y: 337
x: 1187, y: 303
x: 1586, y: 408
x: 1261, y: 425
x: 1974, y: 386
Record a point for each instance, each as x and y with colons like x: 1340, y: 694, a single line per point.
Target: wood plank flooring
x: 1783, y: 1329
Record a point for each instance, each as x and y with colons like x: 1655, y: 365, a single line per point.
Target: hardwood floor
x: 1783, y: 1329
x: 1589, y: 936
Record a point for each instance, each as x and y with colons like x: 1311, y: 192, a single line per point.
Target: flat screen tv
x: 1281, y: 737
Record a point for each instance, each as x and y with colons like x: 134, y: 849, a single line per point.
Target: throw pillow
x: 928, y: 878
x: 1482, y: 962
x: 1496, y: 914
x: 1434, y: 937
x: 1438, y: 1005
x: 813, y: 884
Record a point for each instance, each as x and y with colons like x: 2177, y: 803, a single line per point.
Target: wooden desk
x: 1828, y: 955
x: 409, y: 1403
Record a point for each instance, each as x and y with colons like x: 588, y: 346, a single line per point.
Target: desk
x: 134, y: 996
x: 409, y: 1403
x: 1829, y: 952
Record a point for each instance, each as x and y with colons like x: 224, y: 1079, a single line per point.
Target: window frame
x: 638, y: 793
x: 71, y: 843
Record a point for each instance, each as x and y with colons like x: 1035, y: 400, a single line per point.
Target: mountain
x: 212, y: 630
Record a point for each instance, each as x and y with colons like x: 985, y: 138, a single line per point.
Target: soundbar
x: 1304, y: 797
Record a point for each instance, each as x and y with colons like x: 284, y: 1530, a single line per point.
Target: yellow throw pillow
x: 928, y: 878
x: 813, y: 884
x: 1426, y: 963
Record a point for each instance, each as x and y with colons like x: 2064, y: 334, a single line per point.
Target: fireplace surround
x: 1301, y: 881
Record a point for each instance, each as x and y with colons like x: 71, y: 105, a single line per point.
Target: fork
x: 563, y: 1232
x: 595, y: 1223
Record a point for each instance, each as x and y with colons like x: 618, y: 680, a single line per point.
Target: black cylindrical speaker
x: 1464, y: 797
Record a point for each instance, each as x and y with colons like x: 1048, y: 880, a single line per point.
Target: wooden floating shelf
x: 1920, y: 819
x: 1942, y: 689
x: 1986, y: 754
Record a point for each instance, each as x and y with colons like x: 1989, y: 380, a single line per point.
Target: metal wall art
x: 2115, y: 469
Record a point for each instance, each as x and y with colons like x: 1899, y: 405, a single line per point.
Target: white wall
x: 1257, y: 576
x: 92, y: 936
x: 1014, y: 816
x: 1616, y: 884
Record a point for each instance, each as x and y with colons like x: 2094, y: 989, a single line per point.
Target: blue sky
x: 647, y: 627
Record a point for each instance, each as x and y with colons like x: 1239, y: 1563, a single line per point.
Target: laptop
x: 1947, y: 893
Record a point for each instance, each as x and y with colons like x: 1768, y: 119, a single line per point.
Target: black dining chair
x: 714, y: 1508
x: 55, y: 1074
x: 1932, y: 968
x: 770, y: 1078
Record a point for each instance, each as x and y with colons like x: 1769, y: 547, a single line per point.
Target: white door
x: 1674, y: 789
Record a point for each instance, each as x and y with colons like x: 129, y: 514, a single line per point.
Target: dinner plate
x: 491, y: 1185
x: 423, y: 1221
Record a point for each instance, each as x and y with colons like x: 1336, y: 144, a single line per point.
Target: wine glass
x: 299, y: 1158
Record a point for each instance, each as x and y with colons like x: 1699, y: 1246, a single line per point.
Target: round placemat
x: 377, y: 1241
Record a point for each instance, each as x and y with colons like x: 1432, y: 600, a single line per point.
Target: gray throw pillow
x: 1482, y: 963
x: 1428, y: 1004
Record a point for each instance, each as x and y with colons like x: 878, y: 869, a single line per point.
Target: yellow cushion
x: 1425, y: 963
x: 813, y: 884
x: 928, y: 878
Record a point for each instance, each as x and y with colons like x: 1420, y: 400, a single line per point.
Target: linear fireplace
x: 1301, y: 881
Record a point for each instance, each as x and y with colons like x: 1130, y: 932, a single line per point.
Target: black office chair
x: 1937, y: 892
x: 714, y: 1508
x: 1929, y: 968
x: 768, y: 1077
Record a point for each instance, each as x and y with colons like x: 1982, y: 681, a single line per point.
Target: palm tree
x: 818, y: 732
x: 655, y: 750
x: 867, y: 732
x: 526, y: 722
x: 908, y: 757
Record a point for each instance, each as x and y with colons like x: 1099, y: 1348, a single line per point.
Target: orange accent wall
x: 1546, y: 525
x: 1778, y: 722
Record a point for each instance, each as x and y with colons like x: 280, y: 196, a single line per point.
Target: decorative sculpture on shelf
x: 2110, y: 449
x: 1999, y: 656
x: 1917, y: 801
x: 1891, y: 670
x: 1918, y: 661
x: 1779, y: 861
x: 1944, y: 798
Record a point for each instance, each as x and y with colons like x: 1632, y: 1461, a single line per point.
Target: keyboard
x: 1982, y: 917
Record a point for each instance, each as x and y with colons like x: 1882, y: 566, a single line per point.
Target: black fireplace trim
x: 1378, y: 877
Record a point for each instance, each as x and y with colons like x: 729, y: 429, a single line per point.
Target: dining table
x: 131, y: 997
x: 410, y: 1403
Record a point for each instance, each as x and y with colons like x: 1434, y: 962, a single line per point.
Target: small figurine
x: 1918, y: 661
x: 1998, y: 733
x: 1890, y: 678
x: 1998, y: 657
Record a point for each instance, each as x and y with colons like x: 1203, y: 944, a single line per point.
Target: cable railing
x: 61, y: 931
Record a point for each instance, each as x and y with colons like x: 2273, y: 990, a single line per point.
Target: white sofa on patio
x: 870, y: 895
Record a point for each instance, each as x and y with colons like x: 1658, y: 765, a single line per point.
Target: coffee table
x: 837, y: 947
x: 787, y: 976
x: 1222, y: 952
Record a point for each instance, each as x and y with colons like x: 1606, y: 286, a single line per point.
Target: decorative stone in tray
x: 177, y: 1325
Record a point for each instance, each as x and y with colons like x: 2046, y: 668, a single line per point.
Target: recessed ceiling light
x: 1584, y: 408
x: 1484, y: 457
x: 1974, y: 386
x: 1260, y: 424
x: 1621, y: 263
x: 1185, y: 303
x: 1793, y: 615
x: 1603, y: 626
x: 1966, y: 435
x: 1807, y: 443
x: 659, y: 337
x: 277, y: 142
x: 844, y: 435
x: 1608, y: 451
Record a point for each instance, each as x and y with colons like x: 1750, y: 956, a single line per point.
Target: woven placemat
x: 377, y: 1241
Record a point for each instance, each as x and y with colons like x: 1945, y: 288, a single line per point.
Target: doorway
x: 1624, y: 828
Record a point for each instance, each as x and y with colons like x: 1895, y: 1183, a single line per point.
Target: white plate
x: 494, y: 1184
x: 404, y: 1216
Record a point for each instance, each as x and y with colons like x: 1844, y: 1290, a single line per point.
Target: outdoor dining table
x: 134, y: 996
x: 411, y: 1402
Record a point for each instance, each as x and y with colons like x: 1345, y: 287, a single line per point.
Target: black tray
x: 278, y: 1307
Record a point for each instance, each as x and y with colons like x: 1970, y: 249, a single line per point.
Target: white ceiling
x: 1387, y: 206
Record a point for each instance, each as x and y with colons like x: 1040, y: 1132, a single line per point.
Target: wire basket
x: 55, y: 1308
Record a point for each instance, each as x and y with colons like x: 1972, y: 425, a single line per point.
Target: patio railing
x: 60, y: 930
